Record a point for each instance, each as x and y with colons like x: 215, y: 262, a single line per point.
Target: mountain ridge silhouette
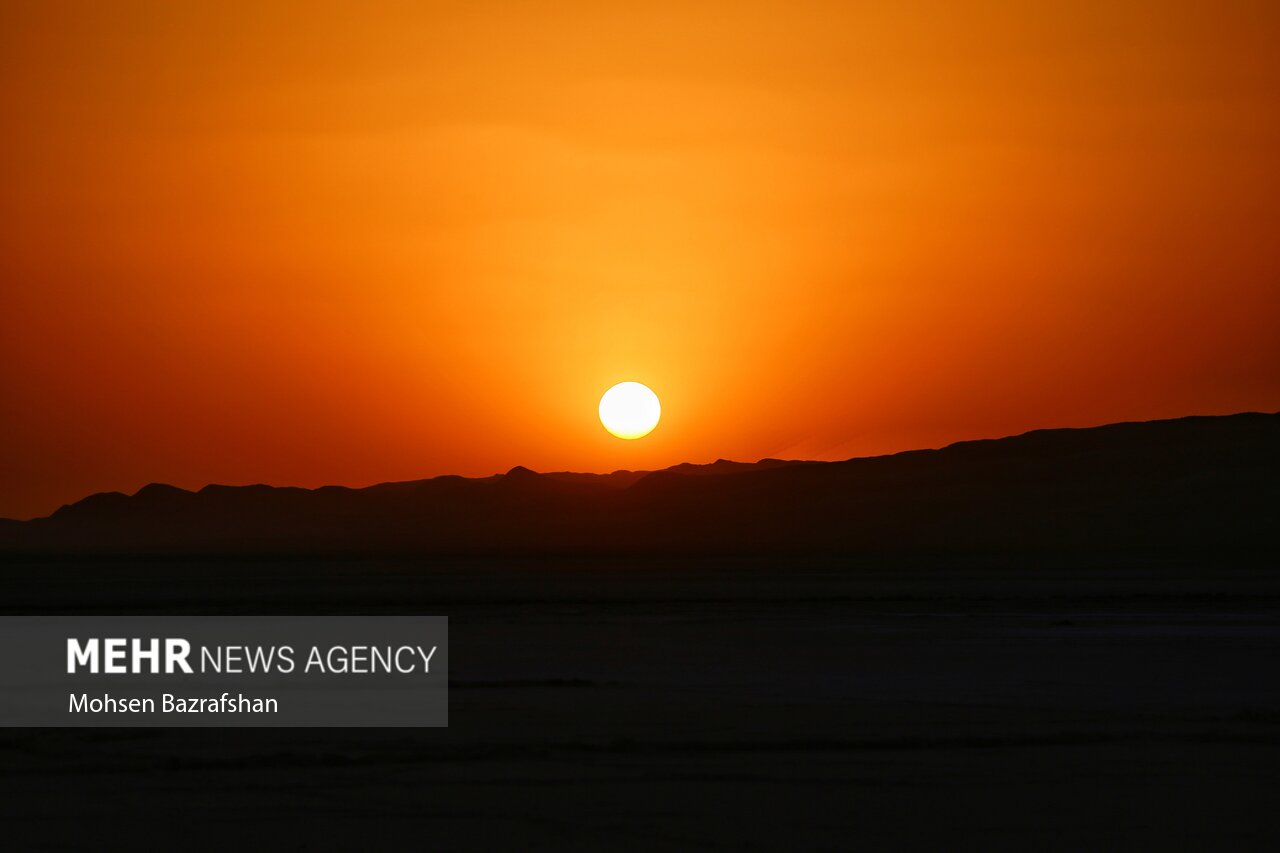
x: 1197, y: 482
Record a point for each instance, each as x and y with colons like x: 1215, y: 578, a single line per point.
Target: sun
x: 630, y: 410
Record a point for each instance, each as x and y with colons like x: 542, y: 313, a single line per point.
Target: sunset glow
x: 301, y: 243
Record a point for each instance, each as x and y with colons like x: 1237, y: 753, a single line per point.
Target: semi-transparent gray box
x: 246, y: 671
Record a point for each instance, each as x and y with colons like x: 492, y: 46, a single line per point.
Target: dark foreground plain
x: 1046, y: 702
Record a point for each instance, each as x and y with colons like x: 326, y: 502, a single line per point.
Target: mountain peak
x: 159, y: 490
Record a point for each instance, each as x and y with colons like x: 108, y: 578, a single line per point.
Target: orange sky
x: 314, y: 243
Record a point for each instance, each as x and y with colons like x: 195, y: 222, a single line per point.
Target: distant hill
x: 1200, y: 483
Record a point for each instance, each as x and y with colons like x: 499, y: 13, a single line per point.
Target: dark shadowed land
x: 1163, y: 487
x: 1100, y: 676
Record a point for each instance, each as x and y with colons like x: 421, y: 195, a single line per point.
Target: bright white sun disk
x: 630, y: 410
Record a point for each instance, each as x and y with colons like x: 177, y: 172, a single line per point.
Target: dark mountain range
x: 1198, y: 483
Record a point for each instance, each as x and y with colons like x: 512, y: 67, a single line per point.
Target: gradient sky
x: 313, y: 243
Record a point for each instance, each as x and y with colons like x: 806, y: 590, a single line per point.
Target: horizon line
x: 639, y: 472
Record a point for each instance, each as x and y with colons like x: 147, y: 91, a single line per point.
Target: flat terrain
x: 712, y: 704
